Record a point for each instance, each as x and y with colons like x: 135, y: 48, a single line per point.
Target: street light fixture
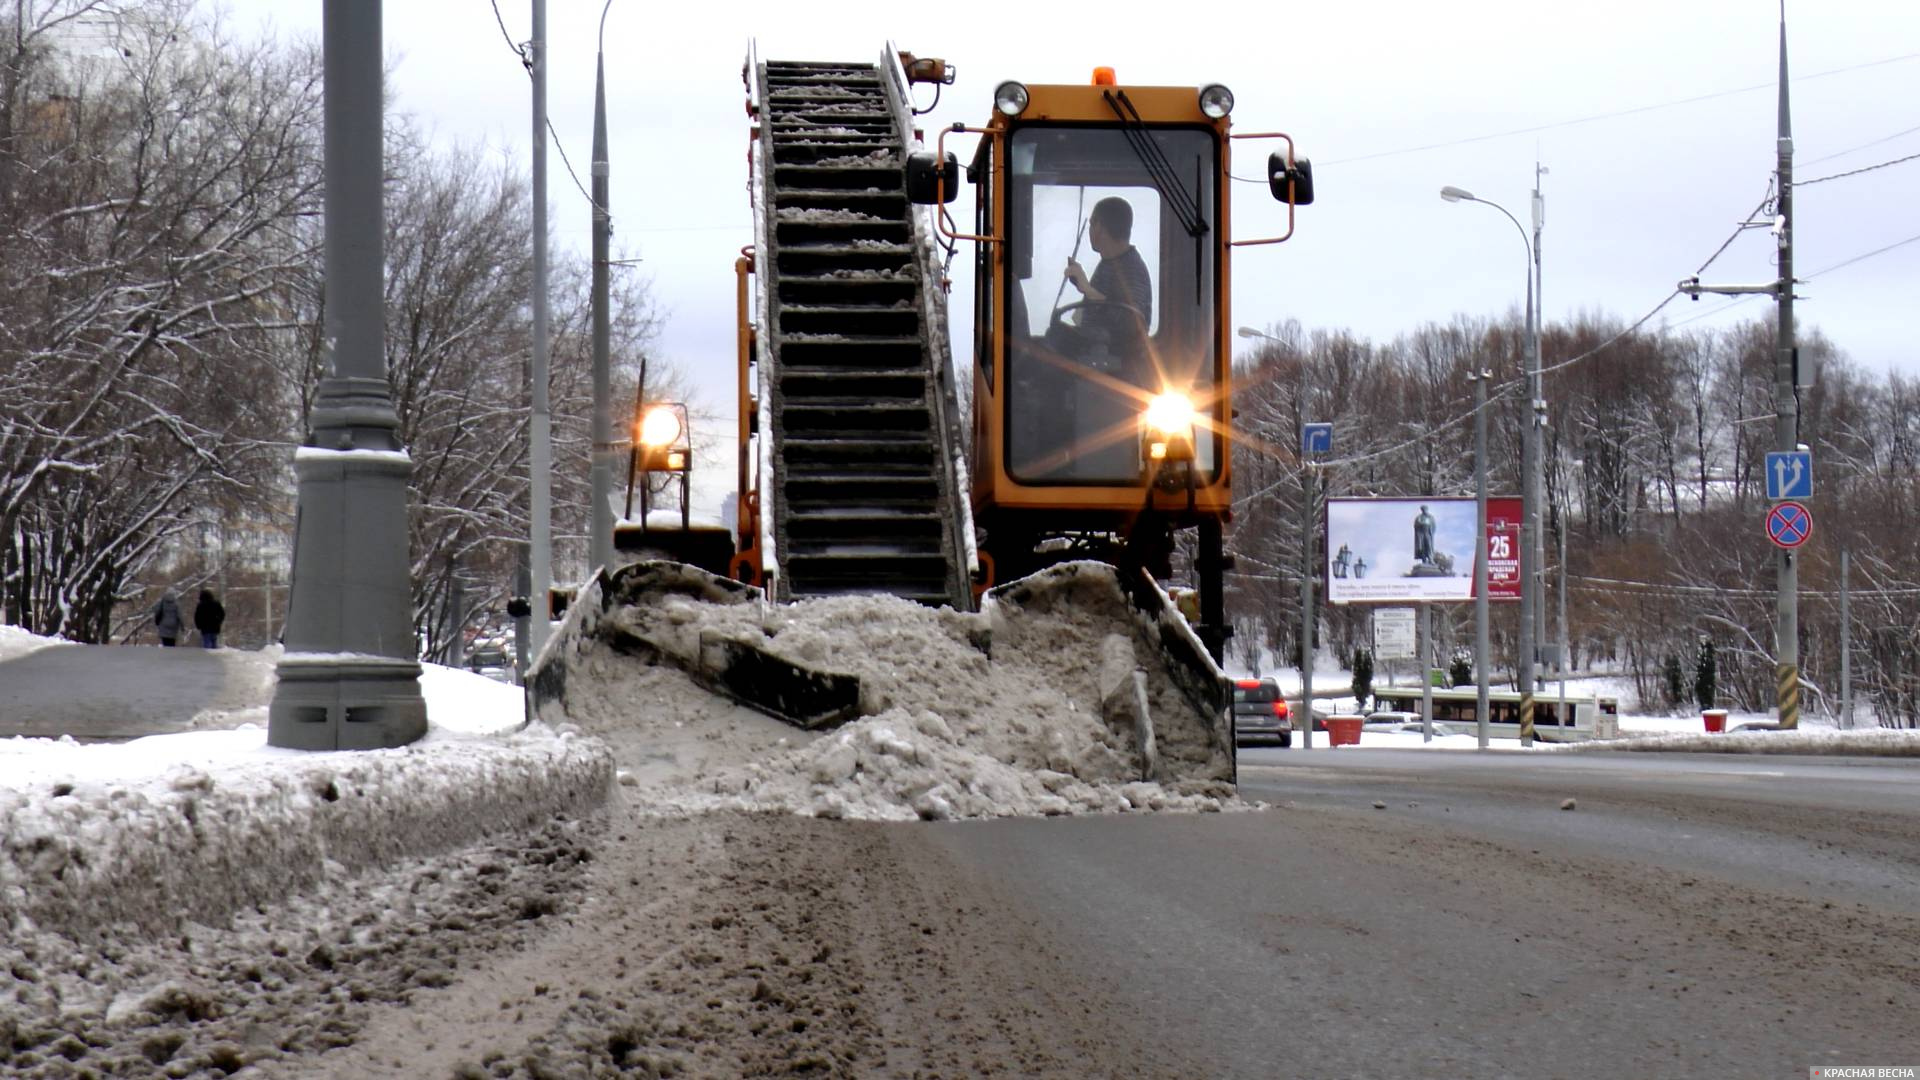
x: 1529, y: 472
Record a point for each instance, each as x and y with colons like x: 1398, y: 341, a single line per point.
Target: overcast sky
x: 1391, y: 100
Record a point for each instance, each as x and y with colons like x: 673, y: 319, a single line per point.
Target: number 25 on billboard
x: 1500, y: 546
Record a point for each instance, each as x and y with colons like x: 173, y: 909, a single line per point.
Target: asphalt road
x: 112, y: 692
x: 1726, y: 917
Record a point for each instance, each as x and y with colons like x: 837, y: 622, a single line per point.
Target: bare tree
x: 145, y: 201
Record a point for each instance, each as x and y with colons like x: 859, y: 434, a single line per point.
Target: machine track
x: 862, y: 491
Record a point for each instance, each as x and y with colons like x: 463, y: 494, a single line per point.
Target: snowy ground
x: 202, y: 904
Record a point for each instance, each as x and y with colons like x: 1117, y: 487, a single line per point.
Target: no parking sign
x: 1788, y: 525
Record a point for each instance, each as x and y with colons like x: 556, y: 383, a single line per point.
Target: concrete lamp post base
x: 348, y: 680
x: 332, y: 702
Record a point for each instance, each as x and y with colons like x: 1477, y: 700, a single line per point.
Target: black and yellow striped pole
x: 1789, y: 677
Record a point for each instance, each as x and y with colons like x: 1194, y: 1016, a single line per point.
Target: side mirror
x: 1299, y: 175
x: 924, y: 174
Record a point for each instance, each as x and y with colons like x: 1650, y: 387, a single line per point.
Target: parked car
x: 1389, y: 720
x: 491, y: 661
x: 1260, y: 713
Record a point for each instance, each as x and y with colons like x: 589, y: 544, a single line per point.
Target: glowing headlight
x: 1170, y: 414
x: 1010, y: 98
x: 1216, y: 100
x: 660, y: 427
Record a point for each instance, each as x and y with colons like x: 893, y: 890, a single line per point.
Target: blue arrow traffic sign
x: 1789, y: 525
x: 1316, y: 439
x: 1790, y: 474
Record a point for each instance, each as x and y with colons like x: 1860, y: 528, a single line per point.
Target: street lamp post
x: 350, y: 676
x: 600, y: 542
x: 1481, y: 712
x: 1530, y: 477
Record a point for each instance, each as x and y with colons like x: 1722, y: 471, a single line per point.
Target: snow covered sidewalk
x: 196, y: 825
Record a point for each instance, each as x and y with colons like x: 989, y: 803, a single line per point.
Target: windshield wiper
x: 1186, y: 206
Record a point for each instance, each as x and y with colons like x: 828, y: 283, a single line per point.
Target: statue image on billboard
x: 1426, y: 561
x: 1372, y: 557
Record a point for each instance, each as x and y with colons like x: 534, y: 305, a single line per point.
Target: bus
x: 1457, y: 707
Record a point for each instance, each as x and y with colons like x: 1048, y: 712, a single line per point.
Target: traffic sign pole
x: 1786, y: 405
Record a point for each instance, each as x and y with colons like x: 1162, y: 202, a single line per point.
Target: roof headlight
x: 1216, y: 100
x: 660, y: 427
x: 1010, y: 98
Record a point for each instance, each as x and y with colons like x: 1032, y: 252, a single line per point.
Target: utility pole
x: 350, y: 678
x: 1425, y: 649
x: 1539, y: 394
x: 1846, y: 646
x: 1307, y: 619
x: 1786, y: 424
x: 1481, y: 711
x: 600, y: 549
x: 1786, y: 400
x: 1531, y: 602
x: 540, y: 457
x: 1566, y: 523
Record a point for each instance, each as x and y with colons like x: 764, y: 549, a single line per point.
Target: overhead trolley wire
x: 1622, y: 112
x: 1857, y: 172
x: 1862, y: 146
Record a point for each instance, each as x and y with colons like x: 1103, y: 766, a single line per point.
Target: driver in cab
x: 1120, y: 292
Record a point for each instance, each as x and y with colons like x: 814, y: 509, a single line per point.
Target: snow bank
x: 81, y: 854
x: 1877, y: 742
x: 1001, y: 713
x: 16, y: 642
x: 199, y: 824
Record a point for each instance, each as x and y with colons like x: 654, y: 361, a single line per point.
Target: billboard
x: 1402, y: 551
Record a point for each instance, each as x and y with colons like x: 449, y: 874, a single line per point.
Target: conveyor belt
x: 861, y: 487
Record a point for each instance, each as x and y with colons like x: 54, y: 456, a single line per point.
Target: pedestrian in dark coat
x: 166, y: 619
x: 207, y: 617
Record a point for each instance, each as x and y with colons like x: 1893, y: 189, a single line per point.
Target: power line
x: 568, y: 162
x: 1619, y: 113
x: 1637, y: 324
x: 519, y: 50
x: 1857, y: 172
x: 1736, y: 302
x: 1737, y: 230
x: 1862, y: 146
x: 1599, y: 584
x: 1502, y: 390
x: 1868, y: 255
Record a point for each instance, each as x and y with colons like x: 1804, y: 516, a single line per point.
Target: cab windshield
x: 1111, y: 238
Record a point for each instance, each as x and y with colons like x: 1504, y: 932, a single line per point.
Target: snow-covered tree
x: 150, y: 169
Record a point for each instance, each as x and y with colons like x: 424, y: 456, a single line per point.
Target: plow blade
x: 645, y: 610
x: 1065, y: 667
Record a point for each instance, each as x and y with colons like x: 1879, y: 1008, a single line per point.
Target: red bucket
x: 1716, y: 720
x: 1343, y: 730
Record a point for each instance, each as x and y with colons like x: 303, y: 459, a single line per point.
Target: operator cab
x: 1101, y: 395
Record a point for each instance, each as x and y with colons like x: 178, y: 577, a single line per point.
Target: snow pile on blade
x: 1031, y: 707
